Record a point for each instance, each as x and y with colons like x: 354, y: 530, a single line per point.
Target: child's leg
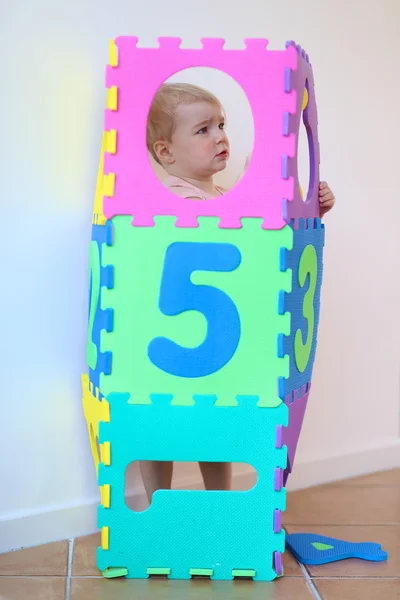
x: 216, y: 476
x: 156, y: 475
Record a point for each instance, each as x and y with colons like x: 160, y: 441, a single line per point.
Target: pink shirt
x: 184, y: 189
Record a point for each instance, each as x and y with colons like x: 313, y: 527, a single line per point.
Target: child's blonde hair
x: 161, y: 119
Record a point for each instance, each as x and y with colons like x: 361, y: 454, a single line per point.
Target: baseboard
x: 52, y: 524
x: 58, y: 523
x: 337, y: 468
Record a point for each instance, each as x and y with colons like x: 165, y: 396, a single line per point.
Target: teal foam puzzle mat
x: 221, y: 531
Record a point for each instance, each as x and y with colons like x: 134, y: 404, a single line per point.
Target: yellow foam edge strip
x: 105, y: 493
x: 113, y: 53
x: 111, y: 141
x: 112, y: 98
x: 105, y: 411
x: 108, y: 185
x: 105, y: 453
x: 105, y: 538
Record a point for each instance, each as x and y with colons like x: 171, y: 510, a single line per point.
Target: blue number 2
x: 178, y: 294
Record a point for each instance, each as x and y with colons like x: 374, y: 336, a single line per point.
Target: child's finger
x: 327, y: 198
x: 325, y: 191
x: 327, y: 205
x: 323, y: 185
x: 328, y: 194
x: 324, y: 209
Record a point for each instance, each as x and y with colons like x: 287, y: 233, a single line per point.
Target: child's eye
x: 203, y: 130
x: 221, y: 125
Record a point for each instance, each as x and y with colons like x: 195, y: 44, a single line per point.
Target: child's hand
x: 326, y: 198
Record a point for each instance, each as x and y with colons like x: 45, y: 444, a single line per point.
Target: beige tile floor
x: 362, y: 509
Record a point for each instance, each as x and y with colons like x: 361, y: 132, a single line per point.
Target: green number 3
x: 307, y: 266
x: 91, y: 349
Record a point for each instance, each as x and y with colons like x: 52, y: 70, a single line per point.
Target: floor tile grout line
x: 31, y: 576
x: 310, y: 582
x: 71, y: 543
x: 38, y: 545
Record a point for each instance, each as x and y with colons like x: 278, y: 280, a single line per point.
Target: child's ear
x: 163, y: 152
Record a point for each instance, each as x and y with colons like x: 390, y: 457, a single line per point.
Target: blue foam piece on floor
x: 314, y: 549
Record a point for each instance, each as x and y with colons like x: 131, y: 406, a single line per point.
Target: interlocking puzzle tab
x: 161, y: 386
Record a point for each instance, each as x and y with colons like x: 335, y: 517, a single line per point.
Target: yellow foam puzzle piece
x: 98, y: 215
x: 94, y: 410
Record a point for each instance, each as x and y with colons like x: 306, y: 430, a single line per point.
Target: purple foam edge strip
x: 287, y: 82
x: 285, y: 209
x: 277, y: 521
x: 285, y: 164
x: 278, y: 563
x: 279, y: 436
x: 286, y: 123
x: 278, y: 479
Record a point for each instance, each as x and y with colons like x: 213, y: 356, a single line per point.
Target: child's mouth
x: 223, y: 154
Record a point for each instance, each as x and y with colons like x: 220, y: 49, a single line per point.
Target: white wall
x: 53, y: 99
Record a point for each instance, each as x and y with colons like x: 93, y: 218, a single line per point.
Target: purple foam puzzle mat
x: 298, y: 79
x: 290, y: 435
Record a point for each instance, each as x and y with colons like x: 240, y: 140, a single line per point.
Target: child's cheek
x: 210, y: 146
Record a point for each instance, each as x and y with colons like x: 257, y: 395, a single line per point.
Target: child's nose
x: 220, y: 136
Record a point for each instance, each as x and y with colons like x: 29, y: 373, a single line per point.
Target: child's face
x: 199, y: 146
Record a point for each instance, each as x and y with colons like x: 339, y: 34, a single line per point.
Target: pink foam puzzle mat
x: 274, y: 82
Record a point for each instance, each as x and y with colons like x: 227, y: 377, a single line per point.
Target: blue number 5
x: 178, y: 294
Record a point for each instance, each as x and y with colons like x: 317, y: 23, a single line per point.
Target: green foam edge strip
x: 112, y: 572
x: 203, y: 572
x: 243, y: 573
x: 158, y: 571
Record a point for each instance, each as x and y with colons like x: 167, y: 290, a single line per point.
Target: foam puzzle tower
x: 231, y: 383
